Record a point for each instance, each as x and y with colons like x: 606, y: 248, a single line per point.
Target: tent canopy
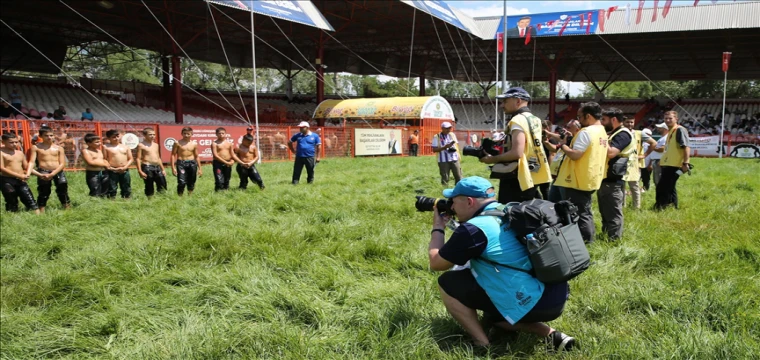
x: 418, y: 107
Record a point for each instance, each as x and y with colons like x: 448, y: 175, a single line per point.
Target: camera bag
x: 557, y: 251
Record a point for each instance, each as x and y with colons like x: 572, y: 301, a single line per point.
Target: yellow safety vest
x: 673, y: 155
x: 639, y: 149
x: 556, y: 162
x: 587, y: 172
x: 534, y: 153
x: 632, y: 173
x: 625, y: 153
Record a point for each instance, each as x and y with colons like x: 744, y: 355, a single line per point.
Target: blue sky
x: 495, y: 7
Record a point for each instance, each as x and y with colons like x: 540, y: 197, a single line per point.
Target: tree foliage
x: 691, y: 89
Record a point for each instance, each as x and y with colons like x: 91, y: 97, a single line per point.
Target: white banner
x: 377, y: 142
x: 704, y: 146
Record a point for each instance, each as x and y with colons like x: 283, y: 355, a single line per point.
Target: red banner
x: 726, y: 60
x: 500, y: 42
x: 204, y: 136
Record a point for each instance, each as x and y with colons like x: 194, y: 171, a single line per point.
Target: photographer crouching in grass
x: 498, y: 281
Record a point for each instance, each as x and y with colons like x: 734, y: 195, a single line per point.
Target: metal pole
x: 504, y: 58
x: 723, y: 118
x: 496, y: 105
x: 255, y: 97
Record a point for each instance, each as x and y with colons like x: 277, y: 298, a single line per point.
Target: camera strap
x: 501, y: 214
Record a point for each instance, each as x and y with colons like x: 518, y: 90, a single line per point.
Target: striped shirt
x: 443, y: 140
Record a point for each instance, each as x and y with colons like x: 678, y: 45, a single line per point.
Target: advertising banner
x: 204, y: 136
x: 704, y: 146
x: 377, y: 142
x: 550, y: 24
x: 439, y: 9
x: 745, y: 151
x: 303, y: 12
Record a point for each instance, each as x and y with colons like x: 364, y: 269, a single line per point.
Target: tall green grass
x: 338, y: 269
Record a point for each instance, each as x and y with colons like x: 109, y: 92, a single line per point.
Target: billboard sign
x: 204, y: 136
x: 550, y: 24
x: 377, y: 142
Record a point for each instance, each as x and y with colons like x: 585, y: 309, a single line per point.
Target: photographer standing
x: 621, y: 154
x: 582, y: 170
x: 445, y: 144
x: 564, y: 136
x: 525, y: 133
x: 498, y: 282
x: 675, y: 157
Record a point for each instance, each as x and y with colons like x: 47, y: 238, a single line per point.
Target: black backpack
x: 557, y: 251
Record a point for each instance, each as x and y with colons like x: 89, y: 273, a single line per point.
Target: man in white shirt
x: 653, y: 160
x: 445, y: 145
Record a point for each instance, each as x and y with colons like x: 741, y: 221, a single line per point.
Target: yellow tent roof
x: 421, y: 107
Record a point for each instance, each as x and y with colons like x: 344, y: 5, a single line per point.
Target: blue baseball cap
x: 515, y: 92
x: 473, y: 186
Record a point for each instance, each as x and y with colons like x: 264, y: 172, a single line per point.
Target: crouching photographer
x: 499, y: 281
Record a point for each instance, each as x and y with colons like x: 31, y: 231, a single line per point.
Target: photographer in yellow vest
x: 524, y: 130
x: 582, y: 170
x: 635, y: 174
x: 620, y: 152
x: 674, y: 158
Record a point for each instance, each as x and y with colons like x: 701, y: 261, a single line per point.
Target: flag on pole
x: 600, y: 18
x: 726, y: 60
x: 628, y: 14
x: 588, y: 23
x: 610, y: 10
x: 696, y: 2
x: 639, y: 11
x: 654, y: 13
x: 666, y: 8
x: 562, y: 30
x: 500, y: 42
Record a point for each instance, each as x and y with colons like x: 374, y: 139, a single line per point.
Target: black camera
x: 489, y: 147
x: 425, y: 203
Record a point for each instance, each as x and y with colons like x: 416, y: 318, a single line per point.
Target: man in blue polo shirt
x: 498, y: 281
x: 87, y: 115
x: 307, y: 152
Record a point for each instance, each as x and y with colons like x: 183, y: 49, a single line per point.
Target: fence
x: 336, y: 141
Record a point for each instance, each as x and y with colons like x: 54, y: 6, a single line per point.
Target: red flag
x: 567, y: 21
x: 654, y: 13
x: 696, y: 2
x: 601, y: 20
x: 610, y: 10
x: 538, y: 26
x: 527, y: 36
x: 639, y: 10
x: 500, y: 42
x: 726, y: 60
x: 583, y: 19
x: 588, y: 23
x: 666, y: 8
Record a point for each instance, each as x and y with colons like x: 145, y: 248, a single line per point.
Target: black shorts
x: 461, y: 285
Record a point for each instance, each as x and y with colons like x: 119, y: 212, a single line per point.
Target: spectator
x: 445, y: 145
x: 50, y: 116
x: 60, y: 113
x: 87, y: 115
x: 6, y: 111
x: 307, y: 152
x: 15, y: 101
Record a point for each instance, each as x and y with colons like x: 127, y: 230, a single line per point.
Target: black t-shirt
x: 5, y: 112
x: 467, y: 242
x: 620, y: 142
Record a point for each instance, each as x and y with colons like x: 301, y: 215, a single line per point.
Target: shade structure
x: 301, y: 11
x: 417, y: 107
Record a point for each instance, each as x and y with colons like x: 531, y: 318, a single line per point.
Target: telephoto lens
x: 425, y: 203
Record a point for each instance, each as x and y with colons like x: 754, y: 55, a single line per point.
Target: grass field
x: 338, y: 269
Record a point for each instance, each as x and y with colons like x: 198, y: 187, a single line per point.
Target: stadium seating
x: 40, y: 98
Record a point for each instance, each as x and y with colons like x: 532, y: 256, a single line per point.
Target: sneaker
x: 558, y: 341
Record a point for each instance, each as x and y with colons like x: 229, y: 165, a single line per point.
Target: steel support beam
x: 177, y: 75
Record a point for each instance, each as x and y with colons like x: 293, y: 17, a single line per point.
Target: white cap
x: 445, y: 125
x: 661, y: 126
x: 303, y: 124
x: 646, y: 131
